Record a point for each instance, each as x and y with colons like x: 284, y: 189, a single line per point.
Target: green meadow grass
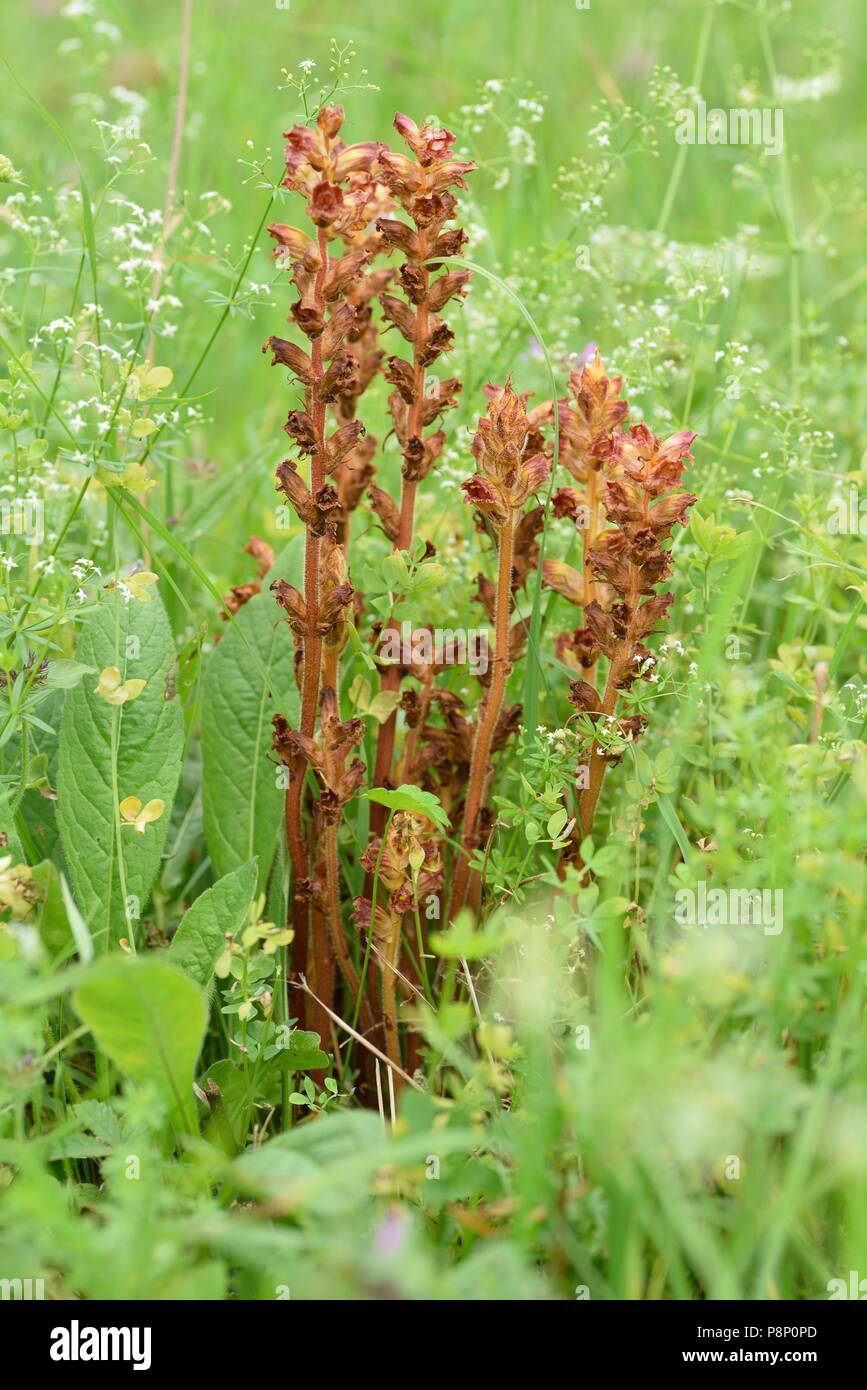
x: 648, y: 1111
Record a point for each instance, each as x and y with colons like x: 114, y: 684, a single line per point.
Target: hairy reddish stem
x: 489, y: 716
x: 391, y: 674
x: 619, y: 663
x: 316, y: 952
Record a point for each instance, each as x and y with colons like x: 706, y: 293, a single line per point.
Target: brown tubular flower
x: 422, y: 186
x: 637, y: 498
x: 409, y: 866
x: 242, y: 593
x: 362, y: 286
x: 589, y: 419
x: 507, y: 478
x: 342, y: 197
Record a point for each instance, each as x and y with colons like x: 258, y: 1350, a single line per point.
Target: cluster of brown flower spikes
x: 623, y: 505
x: 350, y: 191
x: 628, y: 478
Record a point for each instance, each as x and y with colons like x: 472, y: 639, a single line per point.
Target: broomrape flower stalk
x: 422, y: 186
x: 356, y: 469
x: 339, y: 780
x: 625, y: 563
x: 409, y: 867
x: 507, y: 478
x: 586, y: 433
x: 342, y: 197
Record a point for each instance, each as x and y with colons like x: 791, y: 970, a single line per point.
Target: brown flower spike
x: 506, y: 479
x: 422, y: 186
x: 343, y: 197
x: 636, y: 476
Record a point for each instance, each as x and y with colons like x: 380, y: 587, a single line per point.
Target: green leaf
x: 77, y: 925
x: 66, y: 674
x: 38, y: 808
x: 53, y: 921
x: 702, y: 531
x: 410, y: 798
x: 100, y: 1120
x: 611, y: 907
x: 670, y: 816
x: 249, y: 677
x: 300, y: 1053
x: 201, y: 936
x: 150, y: 1019
x: 463, y: 942
x: 136, y: 638
x: 380, y: 707
x: 556, y: 823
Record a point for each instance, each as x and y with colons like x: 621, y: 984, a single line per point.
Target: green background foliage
x: 687, y: 1108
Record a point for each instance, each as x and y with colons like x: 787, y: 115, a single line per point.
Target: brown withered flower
x: 639, y: 476
x: 508, y: 476
x: 411, y: 864
x: 589, y: 419
x: 327, y: 755
x: 408, y: 867
x: 335, y: 289
x: 263, y: 554
x: 421, y: 183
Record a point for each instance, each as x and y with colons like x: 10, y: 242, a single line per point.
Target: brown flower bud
x: 292, y: 602
x: 288, y: 355
x: 295, y: 245
x: 386, y: 510
x: 564, y: 580
x: 299, y: 426
x: 400, y: 314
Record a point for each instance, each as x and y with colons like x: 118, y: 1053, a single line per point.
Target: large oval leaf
x: 135, y: 638
x: 201, y: 937
x: 249, y: 678
x: 150, y: 1019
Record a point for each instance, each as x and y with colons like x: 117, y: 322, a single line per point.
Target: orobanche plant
x: 371, y: 259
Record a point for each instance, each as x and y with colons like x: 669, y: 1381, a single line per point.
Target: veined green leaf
x: 109, y: 753
x: 410, y: 798
x: 248, y: 679
x: 201, y: 936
